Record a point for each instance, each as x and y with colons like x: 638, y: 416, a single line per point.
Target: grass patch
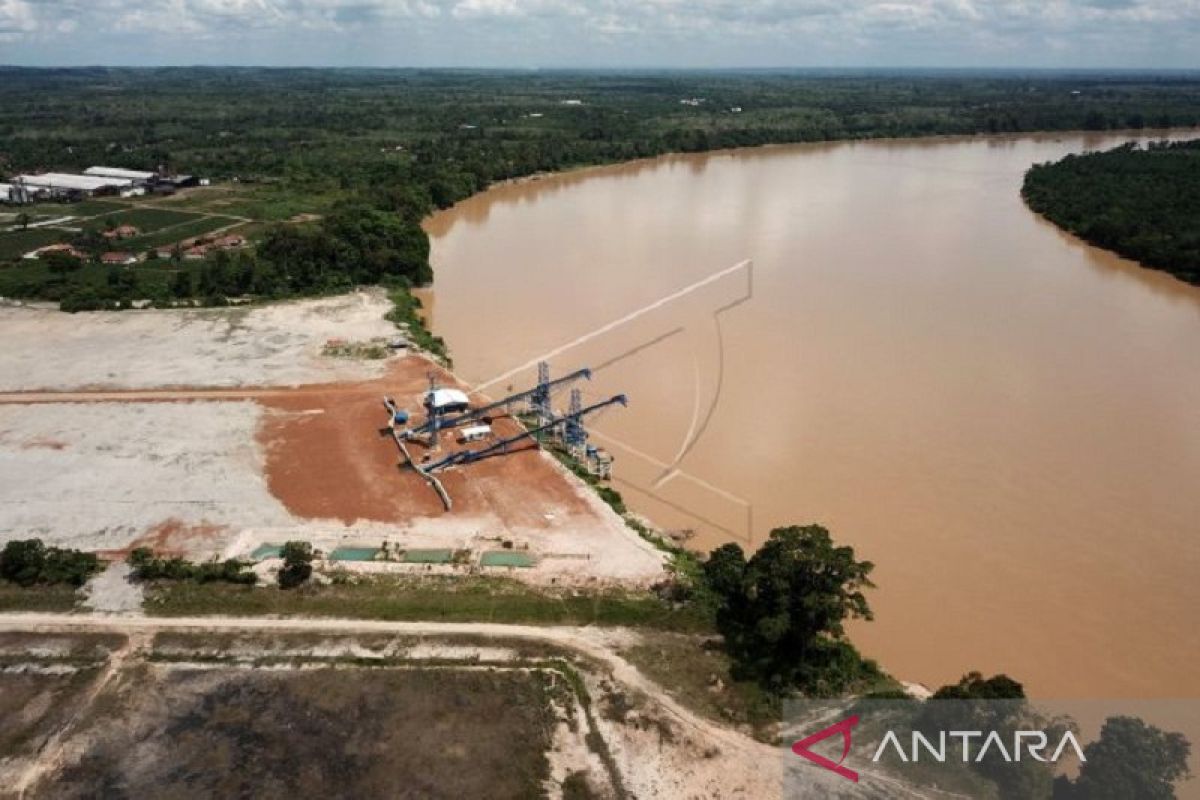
x: 84, y: 208
x: 198, y: 226
x: 37, y: 598
x: 450, y: 599
x: 148, y: 220
x: 14, y: 244
x: 696, y: 672
x: 404, y: 314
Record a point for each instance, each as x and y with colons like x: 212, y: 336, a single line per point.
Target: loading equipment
x: 574, y: 417
x: 538, y: 397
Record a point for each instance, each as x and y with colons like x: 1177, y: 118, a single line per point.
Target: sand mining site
x: 227, y: 432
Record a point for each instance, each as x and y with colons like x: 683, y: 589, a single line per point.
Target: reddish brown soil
x: 328, y: 456
x: 172, y: 537
x: 42, y: 443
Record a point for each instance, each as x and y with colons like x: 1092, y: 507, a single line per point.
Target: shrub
x: 28, y: 562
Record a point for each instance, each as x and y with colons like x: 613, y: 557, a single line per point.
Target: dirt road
x: 595, y: 643
x: 599, y: 644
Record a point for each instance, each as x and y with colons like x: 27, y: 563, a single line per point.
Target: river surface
x: 1003, y: 419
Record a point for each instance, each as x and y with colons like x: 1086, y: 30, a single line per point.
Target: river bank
x: 909, y: 283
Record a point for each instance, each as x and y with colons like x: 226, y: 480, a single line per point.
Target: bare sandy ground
x: 101, y: 476
x: 182, y: 431
x: 277, y: 345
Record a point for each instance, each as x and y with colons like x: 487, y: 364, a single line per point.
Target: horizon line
x: 616, y: 69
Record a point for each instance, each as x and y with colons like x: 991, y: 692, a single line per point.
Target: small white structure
x: 447, y: 401
x: 474, y: 433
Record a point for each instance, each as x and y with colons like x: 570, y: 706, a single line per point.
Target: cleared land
x: 268, y: 708
x: 214, y: 432
x: 204, y: 732
x: 278, y: 345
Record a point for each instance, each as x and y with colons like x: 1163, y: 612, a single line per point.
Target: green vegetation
x: 377, y: 150
x: 696, y: 672
x: 406, y: 315
x: 148, y: 567
x: 993, y: 704
x: 297, y: 564
x: 782, y: 611
x: 1141, y: 203
x: 29, y: 562
x: 38, y: 597
x: 450, y: 599
x: 1130, y: 759
x: 15, y: 244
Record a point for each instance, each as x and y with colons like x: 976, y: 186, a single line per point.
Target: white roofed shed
x: 118, y: 172
x: 447, y: 399
x: 82, y: 183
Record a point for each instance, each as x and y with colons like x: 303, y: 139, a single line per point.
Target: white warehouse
x: 134, y: 175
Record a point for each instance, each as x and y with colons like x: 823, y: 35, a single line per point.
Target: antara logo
x: 1035, y: 743
x: 800, y: 748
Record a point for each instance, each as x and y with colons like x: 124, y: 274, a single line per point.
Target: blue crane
x: 467, y: 456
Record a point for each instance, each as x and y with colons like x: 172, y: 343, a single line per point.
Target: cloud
x: 17, y: 19
x: 620, y: 32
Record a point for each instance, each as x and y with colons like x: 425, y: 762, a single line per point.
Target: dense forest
x: 371, y: 152
x: 1143, y: 203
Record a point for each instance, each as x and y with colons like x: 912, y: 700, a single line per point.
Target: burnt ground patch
x: 331, y: 732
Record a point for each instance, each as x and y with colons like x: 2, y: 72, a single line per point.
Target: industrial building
x: 61, y: 184
x: 94, y: 181
x: 11, y: 193
x: 134, y: 175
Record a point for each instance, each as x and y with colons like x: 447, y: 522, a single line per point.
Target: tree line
x: 1143, y: 203
x: 377, y: 150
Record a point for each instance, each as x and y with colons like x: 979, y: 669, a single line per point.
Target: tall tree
x: 783, y: 611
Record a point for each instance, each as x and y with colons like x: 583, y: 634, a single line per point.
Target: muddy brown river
x: 1005, y: 420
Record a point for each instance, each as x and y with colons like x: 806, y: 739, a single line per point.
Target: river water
x: 1005, y: 420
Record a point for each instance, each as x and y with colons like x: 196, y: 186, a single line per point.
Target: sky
x: 1135, y: 34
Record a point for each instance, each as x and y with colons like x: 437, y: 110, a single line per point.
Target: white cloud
x: 712, y: 32
x: 17, y: 19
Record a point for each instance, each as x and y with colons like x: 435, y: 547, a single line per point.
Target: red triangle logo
x: 800, y: 748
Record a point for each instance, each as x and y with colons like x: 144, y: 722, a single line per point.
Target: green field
x: 36, y: 598
x: 84, y: 208
x: 198, y: 226
x: 14, y: 244
x: 148, y: 220
x: 451, y: 599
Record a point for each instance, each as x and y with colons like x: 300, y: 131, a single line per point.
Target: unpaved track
x: 596, y: 643
x: 592, y: 642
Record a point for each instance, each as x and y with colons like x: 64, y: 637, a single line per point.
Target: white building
x: 474, y: 433
x: 116, y: 172
x: 61, y: 182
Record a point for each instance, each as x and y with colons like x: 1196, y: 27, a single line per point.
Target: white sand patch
x: 96, y: 477
x: 112, y: 591
x: 276, y: 345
